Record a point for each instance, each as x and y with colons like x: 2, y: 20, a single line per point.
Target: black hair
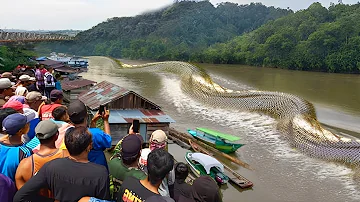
x: 77, y: 139
x: 59, y: 112
x: 4, y: 113
x: 130, y: 160
x: 57, y: 76
x: 181, y: 171
x: 159, y: 164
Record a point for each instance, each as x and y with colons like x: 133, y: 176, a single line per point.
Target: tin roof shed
x: 116, y: 97
x: 75, y: 84
x: 143, y: 115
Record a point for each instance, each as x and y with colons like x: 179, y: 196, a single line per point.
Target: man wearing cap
x: 12, y: 150
x: 32, y: 84
x: 56, y: 98
x: 23, y: 81
x: 160, y: 163
x: 126, y: 164
x: 14, y: 104
x: 34, y: 100
x: 47, y: 132
x: 101, y: 140
x: 5, y: 90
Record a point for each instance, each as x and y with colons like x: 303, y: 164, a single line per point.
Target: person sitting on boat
x: 180, y: 187
x: 125, y: 163
x: 159, y: 164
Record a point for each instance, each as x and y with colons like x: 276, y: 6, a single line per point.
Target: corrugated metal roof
x: 66, y: 69
x: 79, y: 83
x: 104, y: 93
x: 144, y: 116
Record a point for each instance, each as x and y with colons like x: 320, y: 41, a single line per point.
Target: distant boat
x: 75, y: 62
x: 202, y: 164
x: 218, y: 140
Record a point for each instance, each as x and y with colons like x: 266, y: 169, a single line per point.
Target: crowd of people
x: 53, y: 152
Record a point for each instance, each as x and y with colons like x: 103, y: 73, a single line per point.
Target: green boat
x: 218, y: 140
x: 202, y: 164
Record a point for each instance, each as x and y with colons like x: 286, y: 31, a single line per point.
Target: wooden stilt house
x: 125, y: 106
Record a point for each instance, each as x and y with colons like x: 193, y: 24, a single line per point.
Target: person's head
x: 56, y: 96
x: 41, y: 66
x: 21, y: 91
x: 57, y: 77
x: 8, y: 75
x: 60, y: 114
x: 24, y: 79
x: 5, y: 87
x: 47, y: 132
x: 78, y: 140
x: 32, y: 80
x: 19, y: 98
x: 34, y: 100
x: 130, y: 150
x: 50, y: 69
x: 77, y: 112
x: 159, y: 164
x: 181, y: 171
x: 14, y: 104
x: 205, y: 189
x: 4, y: 113
x: 158, y: 139
x: 16, y: 125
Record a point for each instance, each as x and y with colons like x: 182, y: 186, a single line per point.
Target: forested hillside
x: 316, y: 39
x: 179, y: 32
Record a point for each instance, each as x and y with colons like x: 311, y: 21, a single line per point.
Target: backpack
x: 49, y: 80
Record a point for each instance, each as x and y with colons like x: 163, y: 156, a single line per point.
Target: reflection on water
x: 281, y: 173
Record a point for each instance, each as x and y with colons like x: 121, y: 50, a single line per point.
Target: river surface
x: 280, y: 173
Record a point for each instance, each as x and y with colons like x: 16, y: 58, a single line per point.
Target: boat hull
x: 219, y: 145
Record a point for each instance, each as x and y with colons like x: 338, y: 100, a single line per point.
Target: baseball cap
x: 13, y: 123
x: 19, y: 98
x: 24, y: 77
x: 14, y: 104
x: 21, y: 91
x: 32, y: 79
x: 5, y: 83
x: 77, y: 112
x: 130, y: 146
x: 34, y: 96
x: 56, y: 94
x: 7, y: 75
x: 30, y: 114
x: 46, y: 129
x: 158, y: 136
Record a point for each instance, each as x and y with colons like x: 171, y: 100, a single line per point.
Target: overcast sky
x: 84, y: 14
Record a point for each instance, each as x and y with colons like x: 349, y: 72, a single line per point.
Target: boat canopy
x: 206, y: 161
x: 228, y: 137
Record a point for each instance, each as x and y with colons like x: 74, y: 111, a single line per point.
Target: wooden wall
x: 131, y: 101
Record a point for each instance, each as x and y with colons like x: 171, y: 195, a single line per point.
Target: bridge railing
x: 30, y: 36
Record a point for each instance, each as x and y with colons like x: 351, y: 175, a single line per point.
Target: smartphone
x: 102, y: 109
x: 136, y: 125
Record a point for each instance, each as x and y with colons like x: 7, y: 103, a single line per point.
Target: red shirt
x: 46, y: 111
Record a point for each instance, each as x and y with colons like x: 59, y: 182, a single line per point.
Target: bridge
x: 8, y: 37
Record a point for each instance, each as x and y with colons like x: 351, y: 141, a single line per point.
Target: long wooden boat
x: 234, y: 177
x: 202, y: 164
x: 220, y: 141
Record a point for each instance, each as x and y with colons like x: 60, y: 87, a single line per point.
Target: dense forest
x: 178, y: 32
x: 316, y: 39
x: 12, y: 55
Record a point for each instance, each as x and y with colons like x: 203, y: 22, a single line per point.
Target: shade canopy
x: 206, y: 161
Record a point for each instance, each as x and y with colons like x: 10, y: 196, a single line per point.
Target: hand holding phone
x: 136, y: 126
x: 101, y: 110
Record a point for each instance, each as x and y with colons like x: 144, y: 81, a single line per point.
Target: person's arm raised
x: 105, y: 118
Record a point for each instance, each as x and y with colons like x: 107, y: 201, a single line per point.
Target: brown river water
x: 280, y: 173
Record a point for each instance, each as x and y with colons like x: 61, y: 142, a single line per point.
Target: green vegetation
x: 13, y: 55
x: 316, y: 39
x: 179, y: 32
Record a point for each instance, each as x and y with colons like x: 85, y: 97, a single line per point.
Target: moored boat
x: 202, y: 164
x: 218, y: 140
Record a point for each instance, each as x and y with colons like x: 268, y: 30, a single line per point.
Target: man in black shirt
x: 69, y: 179
x: 159, y: 164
